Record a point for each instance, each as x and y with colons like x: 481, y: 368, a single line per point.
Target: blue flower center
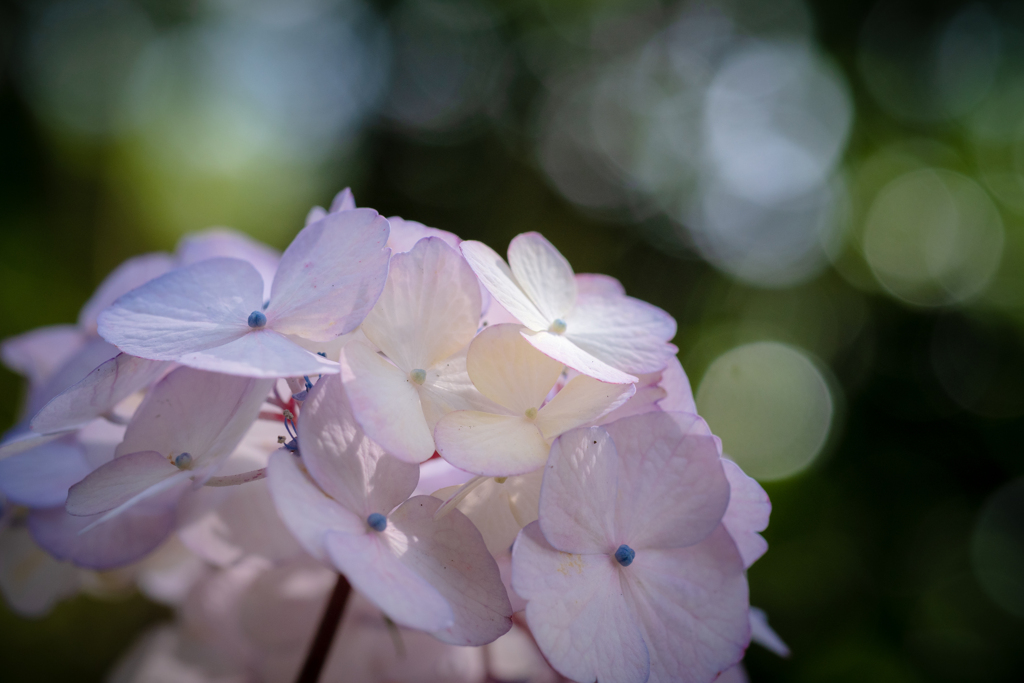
x: 624, y: 555
x: 377, y: 521
x: 257, y: 319
x: 182, y: 460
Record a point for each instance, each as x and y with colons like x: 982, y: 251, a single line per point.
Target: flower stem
x: 321, y: 646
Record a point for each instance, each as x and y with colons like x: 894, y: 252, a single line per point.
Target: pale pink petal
x: 691, y: 606
x: 41, y: 477
x: 429, y: 309
x: 133, y: 273
x: 38, y: 353
x: 31, y: 581
x: 747, y: 514
x: 496, y: 276
x: 672, y: 490
x: 93, y: 353
x: 116, y: 542
x: 596, y: 284
x: 343, y: 201
x: 375, y: 568
x: 504, y: 560
x: 330, y: 276
x: 315, y: 214
x: 496, y: 314
x: 22, y: 441
x: 190, y: 309
x: 386, y: 404
x: 577, y: 499
x: 543, y: 274
x: 405, y: 234
x: 763, y: 634
x: 679, y: 395
x: 98, y: 393
x: 577, y: 613
x: 305, y: 510
x: 500, y: 510
x: 203, y: 414
x: 450, y: 555
x: 226, y: 243
x: 488, y: 444
x: 559, y: 348
x: 350, y: 467
x: 624, y: 332
x: 448, y: 387
x: 438, y: 473
x: 508, y: 371
x: 260, y: 353
x: 734, y: 674
x: 582, y: 400
x: 118, y: 482
x: 645, y: 400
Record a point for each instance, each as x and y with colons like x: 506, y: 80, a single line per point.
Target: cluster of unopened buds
x: 479, y: 469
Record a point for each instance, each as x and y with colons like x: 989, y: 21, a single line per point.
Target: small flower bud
x: 377, y: 521
x: 257, y: 319
x: 624, y: 555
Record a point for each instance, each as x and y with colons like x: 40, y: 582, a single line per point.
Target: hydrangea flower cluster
x: 501, y: 458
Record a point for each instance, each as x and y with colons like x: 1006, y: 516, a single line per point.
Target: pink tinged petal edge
x: 429, y: 309
x: 305, y: 509
x: 131, y: 274
x: 40, y: 478
x: 125, y: 539
x: 748, y: 513
x: 672, y: 489
x: 386, y: 404
x: 406, y: 234
x: 98, y: 393
x: 597, y: 284
x: 190, y: 309
x: 488, y: 444
x: 624, y: 332
x: 227, y: 243
x: 566, y: 352
x: 497, y: 277
x: 577, y: 496
x: 764, y: 635
x: 203, y: 414
x: 343, y: 201
x: 376, y: 570
x: 508, y: 371
x: 260, y: 353
x: 691, y: 605
x: 330, y: 276
x: 450, y: 554
x: 354, y: 470
x: 118, y: 482
x: 543, y: 274
x: 679, y: 394
x: 582, y: 400
x: 577, y: 612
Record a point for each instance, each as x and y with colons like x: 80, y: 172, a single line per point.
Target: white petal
x: 582, y: 400
x: 330, y: 276
x: 448, y: 387
x: 190, y: 309
x: 747, y: 514
x: 577, y: 613
x: 119, y: 482
x: 133, y: 273
x: 376, y: 570
x: 438, y: 473
x: 507, y: 370
x: 386, y: 404
x: 200, y: 413
x: 488, y: 444
x: 450, y: 554
x: 499, y: 511
x: 691, y: 605
x: 41, y: 477
x: 543, y: 274
x: 561, y: 349
x: 225, y: 243
x: 260, y: 353
x: 98, y: 394
x: 496, y: 276
x: 307, y: 512
x: 596, y: 284
x: 429, y: 309
x: 624, y: 332
x: 350, y: 467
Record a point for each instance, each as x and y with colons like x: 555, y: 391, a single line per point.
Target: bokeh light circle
x: 770, y: 405
x: 997, y: 547
x: 933, y: 237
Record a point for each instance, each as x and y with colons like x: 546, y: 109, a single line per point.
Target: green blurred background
x: 828, y: 196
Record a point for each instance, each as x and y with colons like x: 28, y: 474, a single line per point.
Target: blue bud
x: 377, y: 521
x: 182, y: 460
x: 257, y: 319
x: 624, y: 555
